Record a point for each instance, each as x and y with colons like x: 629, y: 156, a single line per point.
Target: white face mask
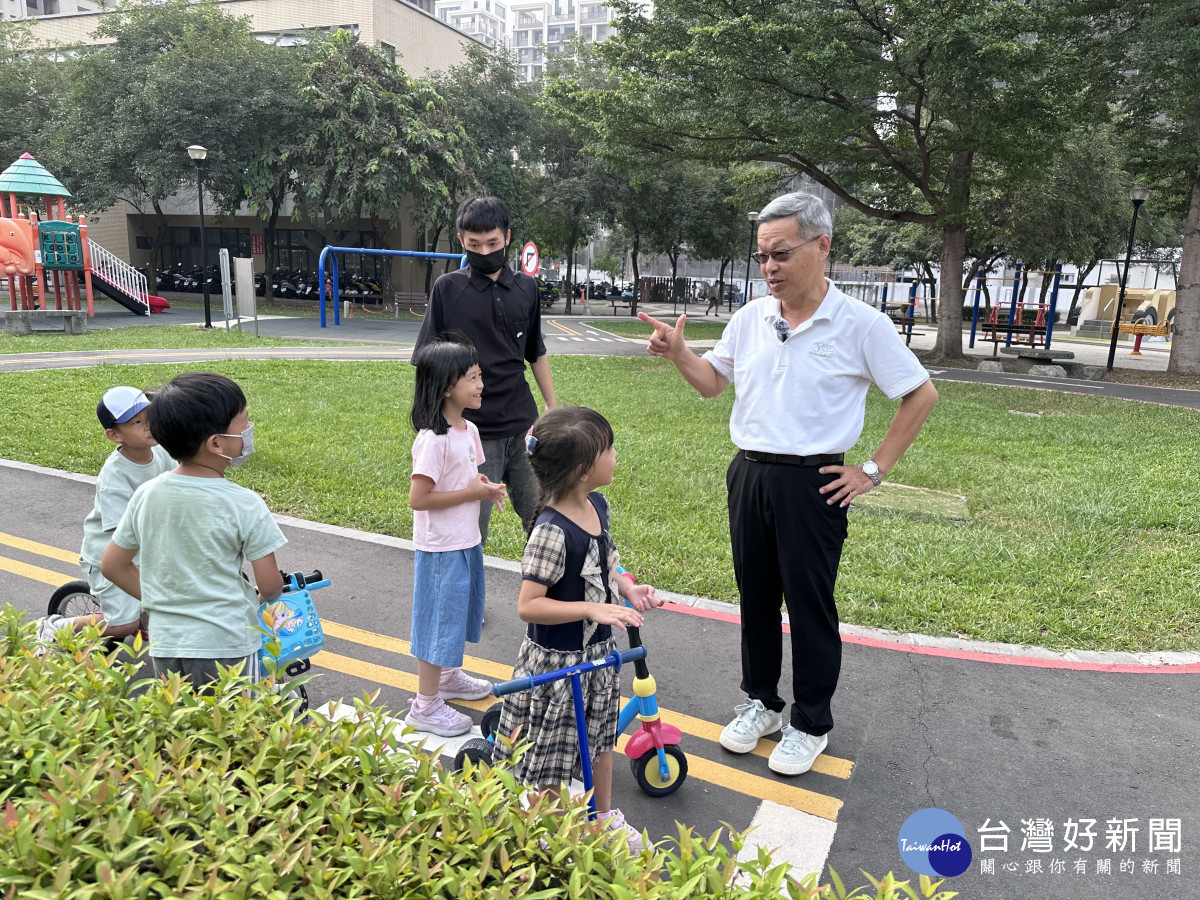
x: 247, y: 437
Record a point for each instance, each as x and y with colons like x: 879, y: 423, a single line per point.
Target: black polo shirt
x: 503, y: 319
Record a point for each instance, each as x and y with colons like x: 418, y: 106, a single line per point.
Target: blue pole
x: 585, y: 758
x: 321, y: 281
x: 975, y: 312
x: 883, y: 300
x: 364, y: 251
x: 1053, y: 304
x: 1012, y: 306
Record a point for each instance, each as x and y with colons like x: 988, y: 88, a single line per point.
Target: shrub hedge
x: 118, y: 786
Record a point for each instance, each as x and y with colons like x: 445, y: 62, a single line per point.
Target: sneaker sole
x: 453, y: 695
x: 735, y: 746
x: 434, y: 729
x: 796, y: 769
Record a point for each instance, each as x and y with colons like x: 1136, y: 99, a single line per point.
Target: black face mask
x: 487, y: 263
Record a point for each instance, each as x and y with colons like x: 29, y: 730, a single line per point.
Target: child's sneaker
x: 47, y: 630
x: 437, y: 718
x: 614, y: 821
x: 455, y: 684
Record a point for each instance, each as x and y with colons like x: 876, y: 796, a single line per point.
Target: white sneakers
x: 753, y: 720
x: 793, y: 755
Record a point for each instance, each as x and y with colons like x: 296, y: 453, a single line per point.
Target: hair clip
x: 530, y: 444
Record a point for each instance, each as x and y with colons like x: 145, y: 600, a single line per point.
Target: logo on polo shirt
x: 821, y: 349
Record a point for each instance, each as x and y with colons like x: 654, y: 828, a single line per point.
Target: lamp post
x: 753, y: 217
x: 198, y: 154
x: 1138, y: 195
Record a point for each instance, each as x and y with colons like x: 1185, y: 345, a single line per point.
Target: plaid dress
x: 575, y: 566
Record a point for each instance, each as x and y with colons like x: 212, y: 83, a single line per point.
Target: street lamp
x: 198, y: 154
x: 1138, y: 195
x: 753, y: 217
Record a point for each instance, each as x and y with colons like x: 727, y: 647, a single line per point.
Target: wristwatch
x: 871, y: 470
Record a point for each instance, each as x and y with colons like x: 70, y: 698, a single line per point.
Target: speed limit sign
x: 529, y: 259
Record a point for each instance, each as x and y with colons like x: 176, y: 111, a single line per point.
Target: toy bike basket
x: 293, y: 619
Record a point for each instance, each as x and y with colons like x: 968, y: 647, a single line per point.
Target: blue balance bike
x: 658, y: 764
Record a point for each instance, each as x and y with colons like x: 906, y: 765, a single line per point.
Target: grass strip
x: 157, y: 337
x: 1082, y: 529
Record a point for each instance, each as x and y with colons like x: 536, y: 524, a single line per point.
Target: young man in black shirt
x: 498, y: 310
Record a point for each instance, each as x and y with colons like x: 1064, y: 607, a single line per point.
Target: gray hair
x: 811, y: 215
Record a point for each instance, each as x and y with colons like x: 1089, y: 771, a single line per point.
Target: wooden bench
x: 899, y: 314
x: 20, y: 321
x: 1019, y: 331
x: 618, y: 301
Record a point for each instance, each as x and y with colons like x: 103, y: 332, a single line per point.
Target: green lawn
x: 694, y: 330
x: 157, y: 337
x: 1082, y: 528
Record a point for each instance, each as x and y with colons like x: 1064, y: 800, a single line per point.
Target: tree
x: 28, y: 84
x: 378, y: 137
x: 172, y: 74
x: 905, y: 100
x: 1159, y: 46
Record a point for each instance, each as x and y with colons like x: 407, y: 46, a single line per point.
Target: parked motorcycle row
x: 285, y: 283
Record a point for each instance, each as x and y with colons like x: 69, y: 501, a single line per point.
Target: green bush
x: 115, y: 786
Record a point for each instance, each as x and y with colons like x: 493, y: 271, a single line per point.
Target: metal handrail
x: 119, y: 273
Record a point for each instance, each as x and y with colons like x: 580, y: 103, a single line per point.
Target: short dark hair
x: 191, y: 408
x: 481, y: 215
x: 439, y: 366
x: 568, y: 440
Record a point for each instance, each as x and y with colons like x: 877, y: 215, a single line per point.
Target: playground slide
x: 126, y: 299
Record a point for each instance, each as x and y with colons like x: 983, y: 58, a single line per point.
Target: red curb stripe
x: 999, y: 659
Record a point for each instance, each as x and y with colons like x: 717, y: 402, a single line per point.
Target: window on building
x: 536, y: 71
x: 552, y: 35
x: 567, y: 31
x: 524, y: 72
x: 522, y: 38
x: 601, y: 32
x: 536, y: 37
x: 183, y: 248
x: 388, y: 52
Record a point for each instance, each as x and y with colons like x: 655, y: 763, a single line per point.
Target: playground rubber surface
x: 1022, y: 741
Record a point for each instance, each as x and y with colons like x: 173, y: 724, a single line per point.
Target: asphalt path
x: 975, y: 734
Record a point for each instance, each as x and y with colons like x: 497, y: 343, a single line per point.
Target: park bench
x: 411, y: 299
x: 618, y: 302
x: 900, y: 314
x: 999, y: 332
x: 20, y: 321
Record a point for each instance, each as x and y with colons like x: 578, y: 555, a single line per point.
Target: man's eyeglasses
x: 780, y: 256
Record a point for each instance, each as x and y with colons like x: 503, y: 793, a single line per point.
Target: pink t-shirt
x: 451, y: 461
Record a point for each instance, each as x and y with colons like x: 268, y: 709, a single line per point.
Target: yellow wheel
x: 649, y: 778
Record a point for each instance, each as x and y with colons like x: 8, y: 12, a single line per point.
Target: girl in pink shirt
x: 448, y: 569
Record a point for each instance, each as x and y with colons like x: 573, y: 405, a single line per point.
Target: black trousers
x: 787, y: 543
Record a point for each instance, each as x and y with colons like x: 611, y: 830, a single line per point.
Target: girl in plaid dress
x: 571, y: 598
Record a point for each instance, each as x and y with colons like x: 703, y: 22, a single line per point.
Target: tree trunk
x: 437, y: 236
x: 637, y: 281
x: 571, y: 238
x: 1078, y: 288
x: 269, y: 253
x: 949, y: 334
x: 931, y: 302
x: 1047, y: 280
x: 1185, y: 342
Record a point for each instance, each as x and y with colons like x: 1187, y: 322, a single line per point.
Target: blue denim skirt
x: 448, y: 592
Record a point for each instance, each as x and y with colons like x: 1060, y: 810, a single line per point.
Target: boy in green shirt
x: 123, y: 412
x: 194, y: 530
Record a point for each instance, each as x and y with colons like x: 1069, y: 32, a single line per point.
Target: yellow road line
x: 20, y: 543
x: 705, y: 770
x: 826, y: 765
x: 36, y: 573
x: 563, y: 328
x: 405, y: 681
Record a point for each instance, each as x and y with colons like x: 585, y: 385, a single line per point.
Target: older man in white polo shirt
x: 802, y: 360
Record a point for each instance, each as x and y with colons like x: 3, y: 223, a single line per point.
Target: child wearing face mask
x: 194, y: 531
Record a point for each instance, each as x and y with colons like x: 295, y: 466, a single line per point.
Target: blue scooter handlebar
x: 529, y: 682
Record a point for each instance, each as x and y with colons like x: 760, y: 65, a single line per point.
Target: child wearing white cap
x: 122, y: 412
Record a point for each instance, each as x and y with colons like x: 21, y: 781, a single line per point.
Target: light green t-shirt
x: 194, y: 535
x: 115, y: 484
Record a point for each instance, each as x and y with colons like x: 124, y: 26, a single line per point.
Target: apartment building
x: 30, y: 9
x: 484, y: 20
x: 533, y: 29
